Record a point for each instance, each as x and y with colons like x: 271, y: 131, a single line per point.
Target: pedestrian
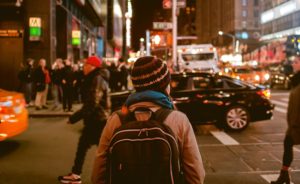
x: 93, y: 112
x: 123, y: 74
x: 150, y: 78
x: 56, y: 76
x: 42, y: 80
x: 113, y: 80
x: 68, y: 83
x: 26, y: 78
x: 78, y: 74
x: 292, y: 136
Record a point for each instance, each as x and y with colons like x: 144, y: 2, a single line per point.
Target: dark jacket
x: 95, y: 99
x: 293, y: 113
x: 39, y: 76
x: 56, y: 76
x: 26, y: 74
x: 68, y: 75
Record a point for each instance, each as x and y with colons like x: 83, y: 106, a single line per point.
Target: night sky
x: 144, y: 12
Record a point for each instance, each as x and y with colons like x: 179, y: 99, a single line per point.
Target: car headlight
x: 257, y: 78
x: 267, y: 76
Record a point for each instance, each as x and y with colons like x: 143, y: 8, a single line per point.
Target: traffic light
x: 167, y: 4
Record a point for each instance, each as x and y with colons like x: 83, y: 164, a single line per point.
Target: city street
x: 253, y: 156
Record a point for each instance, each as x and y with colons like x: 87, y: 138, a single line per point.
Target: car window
x: 190, y: 83
x: 181, y: 83
x: 202, y: 82
x: 242, y: 70
x: 234, y: 84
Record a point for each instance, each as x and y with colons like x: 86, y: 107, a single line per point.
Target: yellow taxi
x: 251, y: 75
x: 13, y: 114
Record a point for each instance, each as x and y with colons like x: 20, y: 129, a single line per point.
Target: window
x: 244, y: 2
x: 244, y: 24
x: 234, y: 85
x: 255, y: 2
x: 202, y: 83
x: 244, y: 13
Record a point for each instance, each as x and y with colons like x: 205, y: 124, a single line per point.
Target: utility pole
x: 174, y: 33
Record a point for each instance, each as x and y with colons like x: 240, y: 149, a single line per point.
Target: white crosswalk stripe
x: 224, y: 138
x: 271, y: 177
x: 280, y: 109
x: 284, y: 99
x: 280, y: 94
x: 276, y: 102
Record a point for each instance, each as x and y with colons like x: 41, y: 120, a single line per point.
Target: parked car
x: 206, y: 97
x: 280, y: 75
x: 13, y: 114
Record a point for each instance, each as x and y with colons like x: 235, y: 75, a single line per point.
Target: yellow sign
x: 35, y: 22
x: 75, y: 34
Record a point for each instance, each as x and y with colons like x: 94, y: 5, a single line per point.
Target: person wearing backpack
x: 147, y: 141
x: 93, y: 112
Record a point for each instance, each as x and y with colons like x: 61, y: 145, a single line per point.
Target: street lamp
x: 221, y: 33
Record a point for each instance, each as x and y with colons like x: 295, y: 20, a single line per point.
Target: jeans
x: 57, y: 94
x: 27, y: 91
x: 288, y: 151
x: 90, y: 136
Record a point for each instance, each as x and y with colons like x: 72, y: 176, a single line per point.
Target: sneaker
x: 70, y: 178
x: 44, y: 107
x: 38, y: 108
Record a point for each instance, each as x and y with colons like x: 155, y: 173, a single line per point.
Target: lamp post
x: 221, y: 33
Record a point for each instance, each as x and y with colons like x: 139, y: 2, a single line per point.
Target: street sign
x: 162, y: 25
x: 181, y: 3
x: 167, y: 4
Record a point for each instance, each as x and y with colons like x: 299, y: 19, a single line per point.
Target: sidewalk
x: 50, y: 112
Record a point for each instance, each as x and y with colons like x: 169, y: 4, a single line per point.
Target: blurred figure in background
x: 26, y: 78
x: 123, y: 74
x: 56, y: 76
x: 68, y: 83
x: 78, y: 75
x: 42, y: 80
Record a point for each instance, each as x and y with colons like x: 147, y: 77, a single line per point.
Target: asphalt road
x: 253, y: 156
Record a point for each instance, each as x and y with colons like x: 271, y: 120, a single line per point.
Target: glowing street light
x: 221, y: 33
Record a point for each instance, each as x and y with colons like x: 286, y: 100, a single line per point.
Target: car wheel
x: 236, y: 118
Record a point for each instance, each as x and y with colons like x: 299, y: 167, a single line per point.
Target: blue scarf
x: 150, y: 96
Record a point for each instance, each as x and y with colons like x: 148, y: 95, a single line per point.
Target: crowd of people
x: 62, y: 82
x: 147, y: 126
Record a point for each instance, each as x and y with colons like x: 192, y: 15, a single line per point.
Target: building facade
x: 52, y: 29
x: 239, y: 18
x: 279, y: 19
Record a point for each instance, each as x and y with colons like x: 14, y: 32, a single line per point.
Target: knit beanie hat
x: 150, y: 73
x: 94, y: 61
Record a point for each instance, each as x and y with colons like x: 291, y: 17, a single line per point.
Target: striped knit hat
x: 150, y: 73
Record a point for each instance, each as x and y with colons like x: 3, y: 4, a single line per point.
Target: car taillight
x: 264, y: 93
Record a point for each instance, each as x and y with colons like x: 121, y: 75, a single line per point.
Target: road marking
x: 284, y: 99
x: 280, y: 94
x: 296, y: 149
x: 271, y: 177
x: 279, y: 103
x: 280, y: 109
x: 224, y: 138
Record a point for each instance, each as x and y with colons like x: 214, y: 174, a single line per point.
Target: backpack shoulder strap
x: 161, y: 114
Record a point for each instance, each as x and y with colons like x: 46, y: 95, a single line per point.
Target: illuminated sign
x: 12, y: 33
x: 35, y: 28
x: 76, y: 37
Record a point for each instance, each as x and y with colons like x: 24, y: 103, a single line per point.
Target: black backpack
x: 144, y: 152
